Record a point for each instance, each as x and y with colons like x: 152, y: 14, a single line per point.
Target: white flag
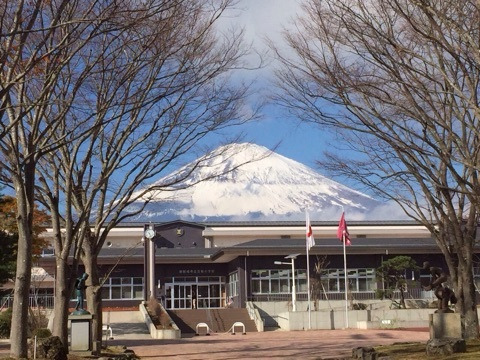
x: 309, y: 233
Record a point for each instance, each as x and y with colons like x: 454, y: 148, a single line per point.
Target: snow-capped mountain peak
x: 247, y: 181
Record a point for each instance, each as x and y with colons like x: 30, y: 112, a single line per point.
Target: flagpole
x: 346, y: 283
x: 308, y: 290
x: 308, y: 234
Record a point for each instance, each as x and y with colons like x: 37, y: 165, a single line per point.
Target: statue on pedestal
x: 444, y: 294
x: 80, y: 287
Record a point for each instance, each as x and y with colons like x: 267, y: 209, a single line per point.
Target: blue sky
x: 267, y: 18
x: 302, y: 142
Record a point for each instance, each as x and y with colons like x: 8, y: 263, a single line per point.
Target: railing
x: 41, y: 301
x: 255, y: 316
x: 410, y: 294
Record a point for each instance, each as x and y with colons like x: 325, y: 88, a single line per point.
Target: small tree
x: 7, y: 256
x: 316, y: 286
x: 9, y: 236
x: 392, y: 274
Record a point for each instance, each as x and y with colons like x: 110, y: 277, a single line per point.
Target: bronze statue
x: 444, y: 294
x: 79, y: 291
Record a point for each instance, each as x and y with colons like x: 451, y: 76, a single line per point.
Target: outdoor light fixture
x: 292, y: 263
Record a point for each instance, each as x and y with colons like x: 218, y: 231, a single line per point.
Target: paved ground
x: 315, y: 344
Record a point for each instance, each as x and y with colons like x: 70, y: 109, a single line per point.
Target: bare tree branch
x: 398, y: 81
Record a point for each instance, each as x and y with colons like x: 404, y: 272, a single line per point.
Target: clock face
x: 149, y: 233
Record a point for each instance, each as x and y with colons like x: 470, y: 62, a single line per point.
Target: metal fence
x: 410, y: 294
x: 40, y: 301
x: 47, y: 301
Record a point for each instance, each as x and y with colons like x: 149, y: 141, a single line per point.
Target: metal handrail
x: 412, y: 294
x: 255, y: 316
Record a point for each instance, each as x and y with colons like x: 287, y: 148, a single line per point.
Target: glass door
x: 203, y: 297
x: 209, y: 296
x: 201, y: 293
x: 181, y: 297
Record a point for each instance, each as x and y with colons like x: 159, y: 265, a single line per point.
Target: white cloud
x: 261, y: 19
x: 266, y: 17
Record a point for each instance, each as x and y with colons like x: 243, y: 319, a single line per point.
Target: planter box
x: 155, y: 333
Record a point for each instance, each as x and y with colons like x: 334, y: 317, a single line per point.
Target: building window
x: 278, y: 281
x: 233, y: 284
x: 48, y: 252
x: 360, y: 280
x: 476, y: 278
x: 123, y: 288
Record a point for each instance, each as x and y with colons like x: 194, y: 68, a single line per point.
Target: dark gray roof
x: 277, y: 246
x: 335, y: 246
x: 356, y: 242
x: 187, y: 252
x: 116, y: 252
x: 161, y: 252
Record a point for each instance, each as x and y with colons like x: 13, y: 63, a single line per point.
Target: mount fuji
x: 255, y: 184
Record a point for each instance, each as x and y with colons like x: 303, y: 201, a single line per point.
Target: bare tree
x: 316, y: 286
x: 158, y: 90
x: 41, y: 42
x: 398, y: 81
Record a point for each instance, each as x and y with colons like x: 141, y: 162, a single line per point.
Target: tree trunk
x: 402, y: 299
x: 62, y: 300
x: 460, y: 266
x: 18, y: 333
x: 25, y: 201
x: 94, y: 297
x: 466, y: 302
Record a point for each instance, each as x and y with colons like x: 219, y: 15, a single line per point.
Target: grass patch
x: 416, y: 351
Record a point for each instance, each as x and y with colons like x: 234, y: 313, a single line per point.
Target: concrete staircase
x: 218, y: 320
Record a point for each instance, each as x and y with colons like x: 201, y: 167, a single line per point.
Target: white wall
x: 278, y: 313
x: 357, y: 319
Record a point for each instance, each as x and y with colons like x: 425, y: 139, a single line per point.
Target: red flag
x: 309, y: 233
x: 342, y: 232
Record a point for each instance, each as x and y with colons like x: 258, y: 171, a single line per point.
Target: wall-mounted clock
x: 149, y: 233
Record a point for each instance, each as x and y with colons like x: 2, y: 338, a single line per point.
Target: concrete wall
x: 270, y: 310
x: 155, y: 333
x: 378, y: 315
x: 361, y: 319
x: 112, y: 317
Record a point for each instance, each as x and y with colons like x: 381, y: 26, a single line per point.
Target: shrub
x: 5, y: 323
x: 159, y: 317
x: 384, y: 294
x: 154, y: 306
x: 360, y: 306
x: 42, y: 333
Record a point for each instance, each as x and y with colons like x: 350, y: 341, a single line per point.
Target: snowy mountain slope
x: 271, y: 187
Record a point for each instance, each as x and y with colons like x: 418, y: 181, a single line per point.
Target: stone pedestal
x: 364, y: 353
x: 80, y: 333
x: 446, y: 335
x: 446, y: 326
x: 445, y: 347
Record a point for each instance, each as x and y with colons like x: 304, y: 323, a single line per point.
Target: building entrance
x: 195, y: 293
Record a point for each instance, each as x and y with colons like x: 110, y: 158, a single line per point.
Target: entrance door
x: 181, y: 297
x: 209, y: 296
x: 204, y: 293
x: 203, y: 297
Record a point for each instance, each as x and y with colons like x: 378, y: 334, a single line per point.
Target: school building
x: 217, y: 264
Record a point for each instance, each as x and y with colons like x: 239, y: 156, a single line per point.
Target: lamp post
x: 292, y: 263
